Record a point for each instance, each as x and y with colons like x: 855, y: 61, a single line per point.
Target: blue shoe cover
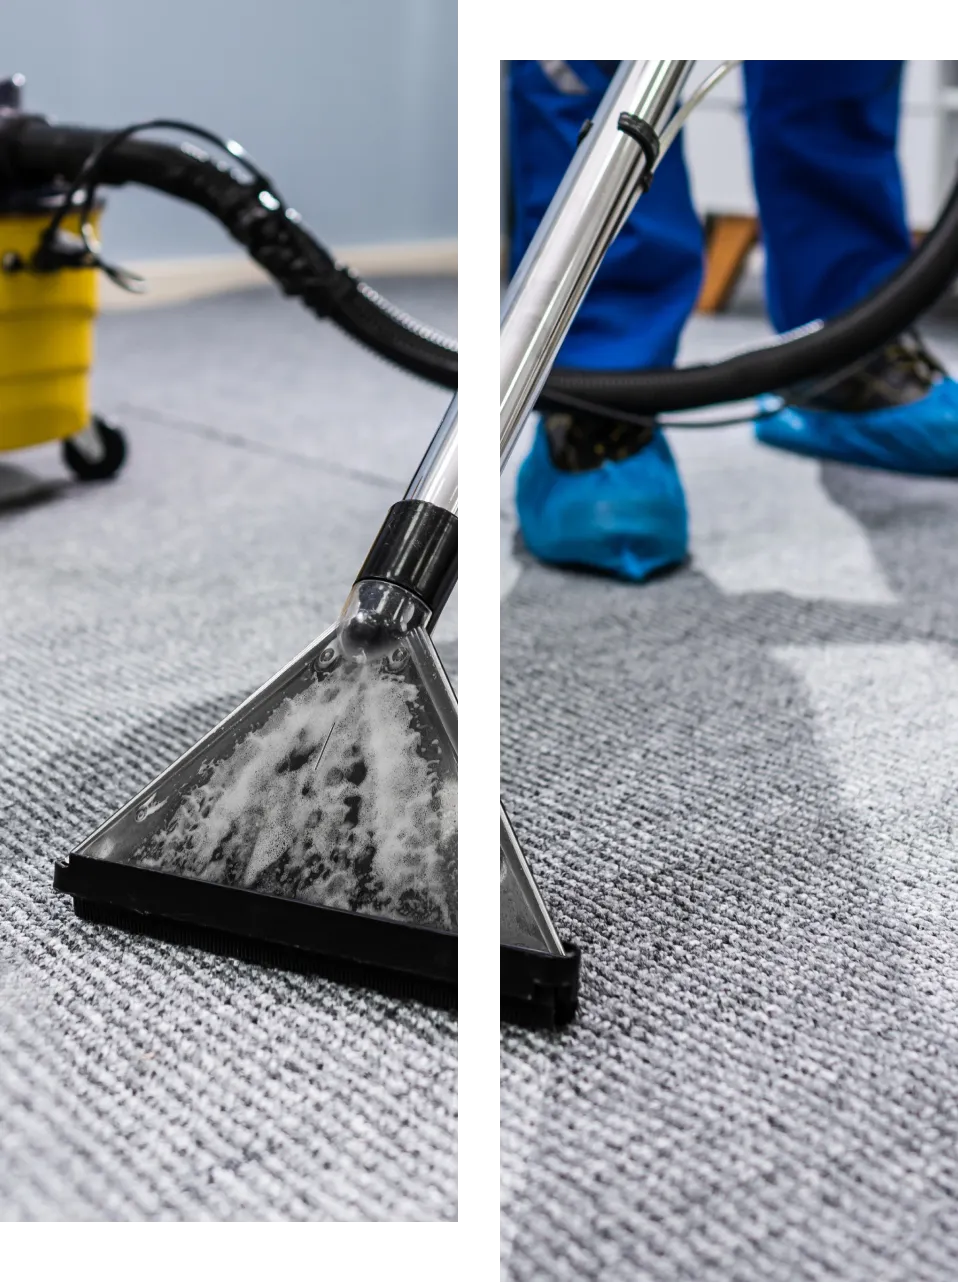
x: 626, y: 518
x: 920, y: 438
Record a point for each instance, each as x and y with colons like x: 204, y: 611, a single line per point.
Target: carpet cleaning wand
x: 612, y: 167
x: 411, y: 568
x: 316, y: 827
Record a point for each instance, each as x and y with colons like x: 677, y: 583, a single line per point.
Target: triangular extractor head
x: 524, y: 921
x: 320, y: 816
x: 539, y: 974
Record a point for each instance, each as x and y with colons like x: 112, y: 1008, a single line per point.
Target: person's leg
x: 832, y: 207
x: 829, y: 187
x: 591, y: 493
x: 647, y: 285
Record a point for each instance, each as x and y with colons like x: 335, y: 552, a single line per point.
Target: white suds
x: 342, y: 797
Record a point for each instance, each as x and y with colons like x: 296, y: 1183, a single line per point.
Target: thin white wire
x: 670, y: 132
x: 669, y: 135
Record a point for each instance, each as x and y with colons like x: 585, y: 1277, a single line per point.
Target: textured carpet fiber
x: 737, y: 789
x: 139, y: 1080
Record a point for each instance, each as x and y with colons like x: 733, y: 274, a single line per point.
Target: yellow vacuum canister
x: 46, y: 344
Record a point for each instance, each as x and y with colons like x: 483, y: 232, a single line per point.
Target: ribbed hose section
x: 33, y: 152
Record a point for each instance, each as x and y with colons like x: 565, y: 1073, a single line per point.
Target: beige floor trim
x: 175, y: 280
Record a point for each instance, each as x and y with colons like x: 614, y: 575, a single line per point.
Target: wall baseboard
x: 176, y: 280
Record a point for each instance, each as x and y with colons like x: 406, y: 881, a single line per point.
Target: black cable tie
x: 648, y: 140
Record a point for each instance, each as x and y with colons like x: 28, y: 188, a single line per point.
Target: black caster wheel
x: 97, y: 453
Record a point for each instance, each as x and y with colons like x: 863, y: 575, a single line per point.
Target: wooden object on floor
x: 729, y: 239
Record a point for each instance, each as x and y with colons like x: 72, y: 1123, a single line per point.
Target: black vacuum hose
x: 32, y: 151
x: 35, y: 153
x: 853, y: 335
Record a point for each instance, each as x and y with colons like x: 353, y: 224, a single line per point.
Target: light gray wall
x: 350, y: 105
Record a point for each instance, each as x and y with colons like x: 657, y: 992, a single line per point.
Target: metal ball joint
x: 376, y: 619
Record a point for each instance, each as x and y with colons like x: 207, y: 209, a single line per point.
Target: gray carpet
x: 139, y: 1080
x: 737, y: 788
